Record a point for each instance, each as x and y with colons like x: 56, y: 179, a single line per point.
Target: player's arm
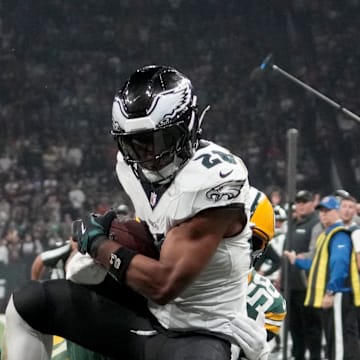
x: 186, y: 251
x: 48, y: 259
x: 274, y: 258
x: 273, y: 322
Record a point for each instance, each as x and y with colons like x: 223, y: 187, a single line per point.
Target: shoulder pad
x: 211, y: 166
x: 213, y: 177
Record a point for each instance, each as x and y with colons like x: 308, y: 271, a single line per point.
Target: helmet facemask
x: 159, y: 153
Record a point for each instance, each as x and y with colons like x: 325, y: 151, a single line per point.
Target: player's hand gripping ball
x: 134, y: 235
x: 91, y: 227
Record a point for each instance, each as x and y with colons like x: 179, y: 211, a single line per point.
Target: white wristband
x: 355, y: 237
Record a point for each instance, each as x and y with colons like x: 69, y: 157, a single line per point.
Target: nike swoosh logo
x: 83, y: 228
x: 225, y: 174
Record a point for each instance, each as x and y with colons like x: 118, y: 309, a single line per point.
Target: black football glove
x: 90, y: 228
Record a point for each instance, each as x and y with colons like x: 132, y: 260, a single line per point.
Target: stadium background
x: 61, y: 62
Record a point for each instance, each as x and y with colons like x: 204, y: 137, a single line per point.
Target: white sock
x: 21, y: 340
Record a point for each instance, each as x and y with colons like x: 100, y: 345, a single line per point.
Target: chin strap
x: 201, y: 117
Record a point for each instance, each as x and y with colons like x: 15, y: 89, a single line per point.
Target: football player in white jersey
x: 190, y: 303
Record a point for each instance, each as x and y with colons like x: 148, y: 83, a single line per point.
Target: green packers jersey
x: 262, y: 297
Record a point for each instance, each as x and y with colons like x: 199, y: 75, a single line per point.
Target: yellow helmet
x: 262, y: 219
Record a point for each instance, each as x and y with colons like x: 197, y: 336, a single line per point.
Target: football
x: 134, y: 235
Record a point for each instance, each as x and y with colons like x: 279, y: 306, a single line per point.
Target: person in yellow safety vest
x: 334, y: 283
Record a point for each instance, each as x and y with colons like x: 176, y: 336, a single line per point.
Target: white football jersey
x: 213, y: 177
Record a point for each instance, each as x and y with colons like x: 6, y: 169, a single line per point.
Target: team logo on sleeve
x: 228, y: 190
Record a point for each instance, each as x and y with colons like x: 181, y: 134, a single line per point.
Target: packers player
x: 262, y: 221
x: 262, y: 296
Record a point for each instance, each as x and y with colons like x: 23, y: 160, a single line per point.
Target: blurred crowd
x: 62, y: 62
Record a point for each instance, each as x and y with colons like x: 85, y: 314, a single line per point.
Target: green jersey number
x: 216, y: 157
